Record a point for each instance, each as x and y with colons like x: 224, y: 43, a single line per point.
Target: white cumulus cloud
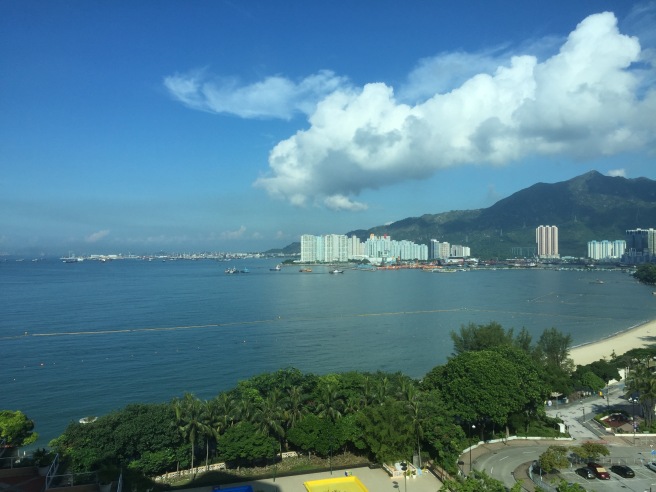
x: 97, y: 236
x: 273, y: 97
x: 236, y: 234
x: 617, y: 172
x: 585, y: 101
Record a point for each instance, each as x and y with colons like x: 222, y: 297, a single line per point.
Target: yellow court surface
x: 342, y: 484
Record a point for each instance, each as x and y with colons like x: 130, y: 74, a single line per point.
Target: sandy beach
x: 640, y: 336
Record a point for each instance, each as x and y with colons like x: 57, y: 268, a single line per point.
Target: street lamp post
x: 633, y: 423
x: 473, y: 428
x: 583, y: 410
x: 404, y: 468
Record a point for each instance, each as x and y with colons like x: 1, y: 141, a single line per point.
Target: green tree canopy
x: 387, y: 431
x: 487, y: 386
x: 553, y: 349
x: 479, y: 481
x: 554, y: 458
x: 124, y: 437
x: 244, y: 442
x: 473, y: 337
x: 604, y: 370
x: 16, y: 429
x: 590, y: 451
x: 590, y: 380
x: 646, y: 273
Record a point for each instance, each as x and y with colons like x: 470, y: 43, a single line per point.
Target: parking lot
x: 645, y: 480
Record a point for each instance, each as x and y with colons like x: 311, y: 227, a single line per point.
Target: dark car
x: 623, y: 471
x: 599, y: 471
x: 586, y: 472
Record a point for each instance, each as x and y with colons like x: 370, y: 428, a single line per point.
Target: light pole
x: 473, y: 428
x: 583, y: 410
x: 404, y: 468
x: 634, y: 423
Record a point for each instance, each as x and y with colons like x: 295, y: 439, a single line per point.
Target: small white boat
x: 277, y: 268
x: 336, y: 271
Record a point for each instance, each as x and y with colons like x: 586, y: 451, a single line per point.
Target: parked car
x: 652, y: 465
x: 586, y: 472
x: 599, y: 471
x: 623, y: 471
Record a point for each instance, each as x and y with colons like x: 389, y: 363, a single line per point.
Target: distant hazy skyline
x: 238, y: 126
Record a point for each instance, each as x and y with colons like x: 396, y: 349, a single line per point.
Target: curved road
x: 502, y: 459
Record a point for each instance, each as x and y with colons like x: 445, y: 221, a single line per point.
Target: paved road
x: 508, y: 461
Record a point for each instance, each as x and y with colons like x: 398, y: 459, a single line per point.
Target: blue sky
x: 238, y: 126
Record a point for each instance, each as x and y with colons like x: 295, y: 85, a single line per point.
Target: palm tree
x: 642, y: 381
x: 294, y: 406
x: 411, y: 397
x: 188, y: 417
x: 382, y: 390
x: 329, y: 403
x: 227, y: 411
x: 268, y: 415
x: 210, y: 425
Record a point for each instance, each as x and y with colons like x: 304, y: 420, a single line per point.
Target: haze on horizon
x: 213, y: 126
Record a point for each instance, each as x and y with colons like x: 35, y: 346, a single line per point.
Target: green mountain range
x: 588, y: 207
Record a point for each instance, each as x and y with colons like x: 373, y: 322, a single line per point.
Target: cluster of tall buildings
x: 376, y: 249
x: 640, y: 246
x: 606, y: 250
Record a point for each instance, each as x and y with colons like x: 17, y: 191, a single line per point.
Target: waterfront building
x: 331, y: 247
x: 339, y: 248
x: 385, y: 248
x: 309, y: 248
x: 458, y: 251
x: 606, y: 250
x: 439, y: 250
x: 546, y: 238
x: 355, y: 248
x: 640, y: 246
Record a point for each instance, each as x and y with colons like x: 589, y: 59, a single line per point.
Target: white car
x: 652, y: 465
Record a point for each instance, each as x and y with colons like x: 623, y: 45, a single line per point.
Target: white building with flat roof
x: 546, y: 238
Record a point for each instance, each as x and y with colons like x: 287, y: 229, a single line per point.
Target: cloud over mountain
x: 593, y: 95
x: 585, y: 101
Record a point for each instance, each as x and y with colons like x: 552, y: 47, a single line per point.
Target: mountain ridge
x: 588, y: 207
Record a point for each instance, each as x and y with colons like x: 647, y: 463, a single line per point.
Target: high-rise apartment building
x: 641, y: 241
x: 439, y: 250
x: 546, y: 238
x: 606, y: 250
x: 640, y: 245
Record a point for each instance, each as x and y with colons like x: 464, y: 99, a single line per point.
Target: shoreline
x: 640, y: 335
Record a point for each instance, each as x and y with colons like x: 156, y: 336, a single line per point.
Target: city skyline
x: 211, y: 126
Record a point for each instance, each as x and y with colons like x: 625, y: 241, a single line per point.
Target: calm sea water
x: 87, y: 338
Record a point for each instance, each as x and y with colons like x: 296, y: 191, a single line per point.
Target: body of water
x: 86, y: 338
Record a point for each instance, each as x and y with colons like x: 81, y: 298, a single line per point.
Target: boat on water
x: 305, y: 270
x: 277, y: 268
x: 336, y: 270
x: 72, y: 259
x: 231, y: 270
